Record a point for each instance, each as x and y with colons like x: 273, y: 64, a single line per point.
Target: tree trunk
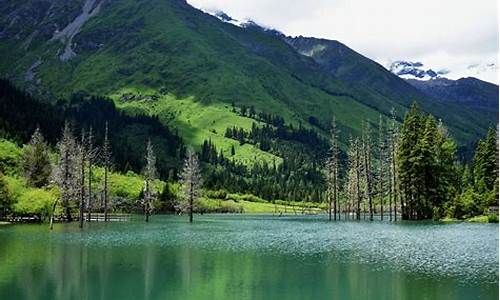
x: 89, y: 202
x: 105, y: 193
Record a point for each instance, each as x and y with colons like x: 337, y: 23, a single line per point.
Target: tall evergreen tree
x: 36, y: 161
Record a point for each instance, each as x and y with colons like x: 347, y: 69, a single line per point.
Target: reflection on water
x: 249, y: 257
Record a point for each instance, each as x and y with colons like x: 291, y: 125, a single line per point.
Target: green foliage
x: 10, y: 157
x: 486, y: 163
x: 36, y: 201
x: 36, y: 161
x: 5, y: 197
x: 426, y: 167
x: 492, y: 218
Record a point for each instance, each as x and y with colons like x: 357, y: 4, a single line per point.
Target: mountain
x: 413, y: 70
x: 470, y: 92
x: 196, y: 72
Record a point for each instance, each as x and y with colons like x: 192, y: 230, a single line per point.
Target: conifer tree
x: 36, y: 161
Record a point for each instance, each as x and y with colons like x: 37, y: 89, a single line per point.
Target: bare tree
x: 82, y: 157
x: 191, y: 182
x: 91, y: 156
x: 367, y: 167
x: 107, y: 165
x: 354, y: 176
x: 381, y: 163
x: 332, y: 172
x: 393, y: 135
x: 66, y: 173
x: 150, y: 175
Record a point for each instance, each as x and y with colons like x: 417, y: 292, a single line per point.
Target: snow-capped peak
x: 246, y: 23
x: 413, y: 70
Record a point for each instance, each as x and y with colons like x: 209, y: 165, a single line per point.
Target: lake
x: 249, y: 257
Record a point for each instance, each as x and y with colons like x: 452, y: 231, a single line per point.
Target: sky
x: 460, y: 36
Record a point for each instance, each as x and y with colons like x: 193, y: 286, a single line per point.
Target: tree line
x: 411, y: 171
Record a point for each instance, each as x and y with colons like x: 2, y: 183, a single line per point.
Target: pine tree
x: 191, y: 183
x: 150, y: 175
x: 36, y: 161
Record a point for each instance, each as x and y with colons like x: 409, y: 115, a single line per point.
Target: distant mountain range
x: 166, y: 58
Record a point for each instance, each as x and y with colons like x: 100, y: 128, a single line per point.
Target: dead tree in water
x: 367, y: 167
x: 150, y: 175
x: 191, y: 182
x: 91, y: 156
x: 354, y: 176
x: 332, y: 173
x: 66, y: 172
x: 107, y: 165
x: 82, y: 157
x: 382, y: 163
x: 393, y: 134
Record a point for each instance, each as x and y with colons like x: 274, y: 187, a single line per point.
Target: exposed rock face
x: 30, y: 74
x: 90, y: 9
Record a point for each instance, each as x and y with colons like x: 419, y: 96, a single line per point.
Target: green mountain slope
x: 165, y: 58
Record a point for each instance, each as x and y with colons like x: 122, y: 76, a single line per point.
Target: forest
x: 66, y: 160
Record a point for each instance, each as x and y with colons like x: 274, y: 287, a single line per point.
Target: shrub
x: 492, y: 218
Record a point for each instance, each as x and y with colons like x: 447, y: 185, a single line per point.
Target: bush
x: 35, y: 201
x: 245, y: 197
x: 492, y: 218
x: 220, y: 194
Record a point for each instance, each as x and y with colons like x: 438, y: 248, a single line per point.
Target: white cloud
x: 455, y: 31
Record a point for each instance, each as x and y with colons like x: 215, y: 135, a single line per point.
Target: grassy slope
x: 204, y: 65
x: 28, y: 200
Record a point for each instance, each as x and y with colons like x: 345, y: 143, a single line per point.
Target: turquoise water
x: 249, y: 257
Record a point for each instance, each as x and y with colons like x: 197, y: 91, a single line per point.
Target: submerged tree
x: 391, y: 155
x: 66, y: 175
x: 332, y: 171
x: 92, y: 152
x: 150, y: 175
x: 82, y: 157
x: 191, y: 183
x: 36, y: 161
x: 382, y: 163
x: 106, y: 156
x: 367, y: 167
x: 354, y: 175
